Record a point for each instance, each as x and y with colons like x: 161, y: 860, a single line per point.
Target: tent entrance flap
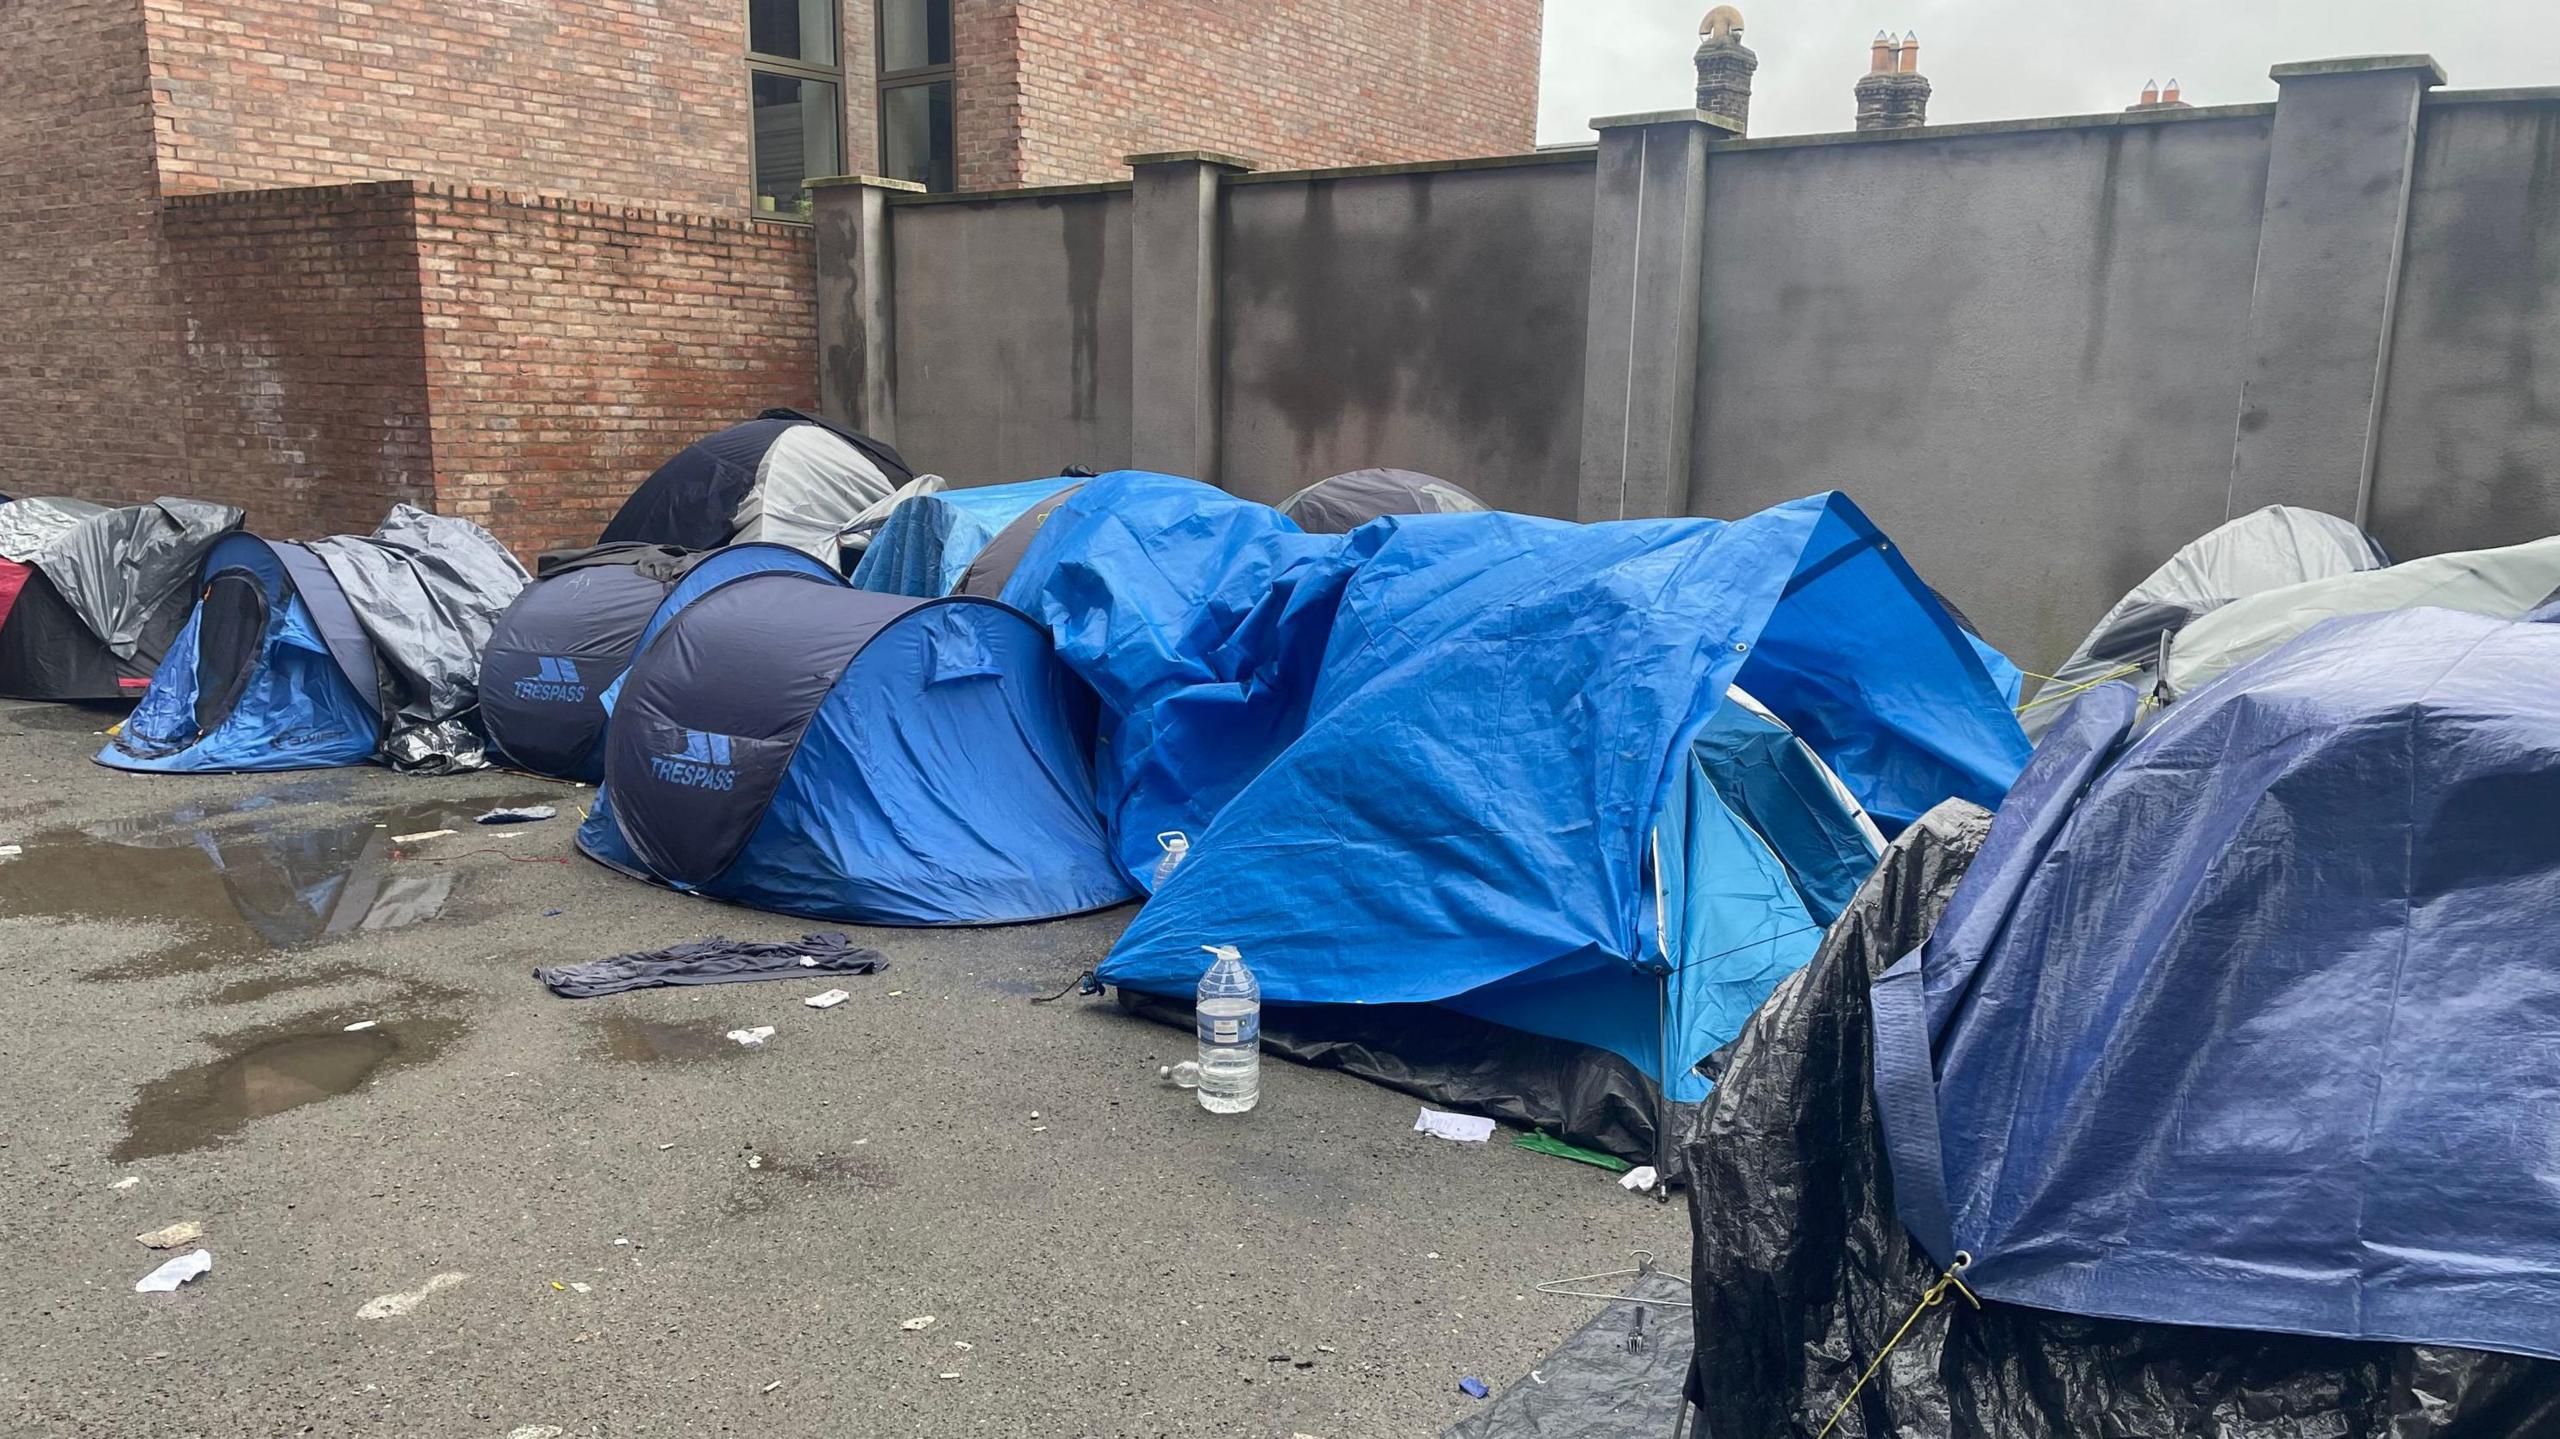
x: 231, y: 638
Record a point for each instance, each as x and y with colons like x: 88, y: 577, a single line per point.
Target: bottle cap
x: 1224, y: 951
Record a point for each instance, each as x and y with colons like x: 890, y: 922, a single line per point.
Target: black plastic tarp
x: 427, y: 591
x: 115, y: 568
x: 1803, y: 1274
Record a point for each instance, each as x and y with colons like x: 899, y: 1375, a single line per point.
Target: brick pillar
x: 1725, y: 67
x: 2337, y: 214
x: 857, y: 368
x: 1173, y: 311
x: 1640, y: 353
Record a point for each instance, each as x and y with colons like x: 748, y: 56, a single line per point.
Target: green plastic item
x: 1549, y: 1144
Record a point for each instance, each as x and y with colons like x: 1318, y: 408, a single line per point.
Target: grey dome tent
x: 1345, y: 502
x: 785, y: 476
x: 91, y: 597
x: 2263, y: 550
x: 2506, y: 584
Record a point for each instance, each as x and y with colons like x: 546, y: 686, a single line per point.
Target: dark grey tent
x: 564, y: 641
x: 986, y: 576
x: 90, y: 597
x: 1345, y: 502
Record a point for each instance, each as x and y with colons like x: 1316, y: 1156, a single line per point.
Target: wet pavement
x: 188, y: 953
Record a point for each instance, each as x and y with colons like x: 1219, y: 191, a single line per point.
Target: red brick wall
x: 87, y: 345
x: 638, y: 100
x: 1286, y: 83
x: 572, y: 347
x: 303, y: 393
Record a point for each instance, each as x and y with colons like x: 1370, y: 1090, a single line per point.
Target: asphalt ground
x: 1099, y: 1256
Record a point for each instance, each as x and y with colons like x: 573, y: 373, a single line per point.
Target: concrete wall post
x: 1648, y: 236
x: 2329, y: 253
x: 1173, y: 267
x: 857, y: 361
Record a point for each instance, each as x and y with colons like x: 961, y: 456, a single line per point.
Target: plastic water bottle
x: 1230, y: 1022
x: 1185, y: 1075
x: 1177, y: 848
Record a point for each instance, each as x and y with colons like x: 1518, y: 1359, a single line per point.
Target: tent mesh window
x: 230, y: 637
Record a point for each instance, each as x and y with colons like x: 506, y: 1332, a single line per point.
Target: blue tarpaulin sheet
x: 2251, y: 1020
x: 926, y: 544
x: 1426, y: 761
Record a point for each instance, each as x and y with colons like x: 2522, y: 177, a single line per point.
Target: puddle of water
x: 632, y: 1040
x: 268, y: 1071
x: 264, y: 876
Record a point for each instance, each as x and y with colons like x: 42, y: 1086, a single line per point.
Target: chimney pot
x: 2151, y: 91
x: 1911, y: 52
x: 2169, y: 95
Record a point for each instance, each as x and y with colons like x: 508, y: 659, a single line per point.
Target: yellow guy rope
x: 1935, y: 1296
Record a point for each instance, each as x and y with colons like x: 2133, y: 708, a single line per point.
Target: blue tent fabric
x: 295, y: 706
x: 926, y: 544
x: 845, y: 755
x: 710, y: 573
x: 566, y: 639
x: 1464, y: 738
x: 2247, y: 1020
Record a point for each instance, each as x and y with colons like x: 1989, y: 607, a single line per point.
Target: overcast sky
x: 2001, y: 59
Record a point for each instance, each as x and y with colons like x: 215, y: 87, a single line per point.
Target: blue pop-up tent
x: 271, y: 672
x: 329, y: 652
x: 1478, y: 761
x: 929, y: 541
x: 2249, y: 1021
x: 844, y: 755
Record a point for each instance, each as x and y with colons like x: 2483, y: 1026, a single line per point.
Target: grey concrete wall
x: 1429, y: 321
x: 2020, y: 351
x: 1010, y: 356
x: 2044, y: 354
x: 2470, y: 451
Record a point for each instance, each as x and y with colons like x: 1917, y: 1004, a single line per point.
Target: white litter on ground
x: 828, y: 1000
x: 1465, y: 1128
x: 127, y: 1182
x: 392, y: 1306
x: 752, y: 1037
x: 169, y: 1276
x: 424, y: 834
x: 1640, y: 1179
x: 921, y: 1321
x: 361, y: 1024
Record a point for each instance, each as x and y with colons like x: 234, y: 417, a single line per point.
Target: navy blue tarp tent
x: 2249, y: 1021
x: 1434, y: 760
x: 844, y: 755
x: 333, y: 652
x: 929, y: 541
x: 565, y: 639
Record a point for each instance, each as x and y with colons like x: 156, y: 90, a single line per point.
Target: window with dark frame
x: 916, y: 139
x: 795, y: 86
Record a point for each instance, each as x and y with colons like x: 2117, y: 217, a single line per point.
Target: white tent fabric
x: 807, y: 482
x: 2506, y: 584
x: 2262, y: 550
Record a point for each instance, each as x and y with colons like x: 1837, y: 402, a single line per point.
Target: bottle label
x: 1225, y: 1030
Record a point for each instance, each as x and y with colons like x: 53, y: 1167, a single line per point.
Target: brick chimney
x: 1893, y: 94
x: 1724, y: 67
x: 2155, y: 97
